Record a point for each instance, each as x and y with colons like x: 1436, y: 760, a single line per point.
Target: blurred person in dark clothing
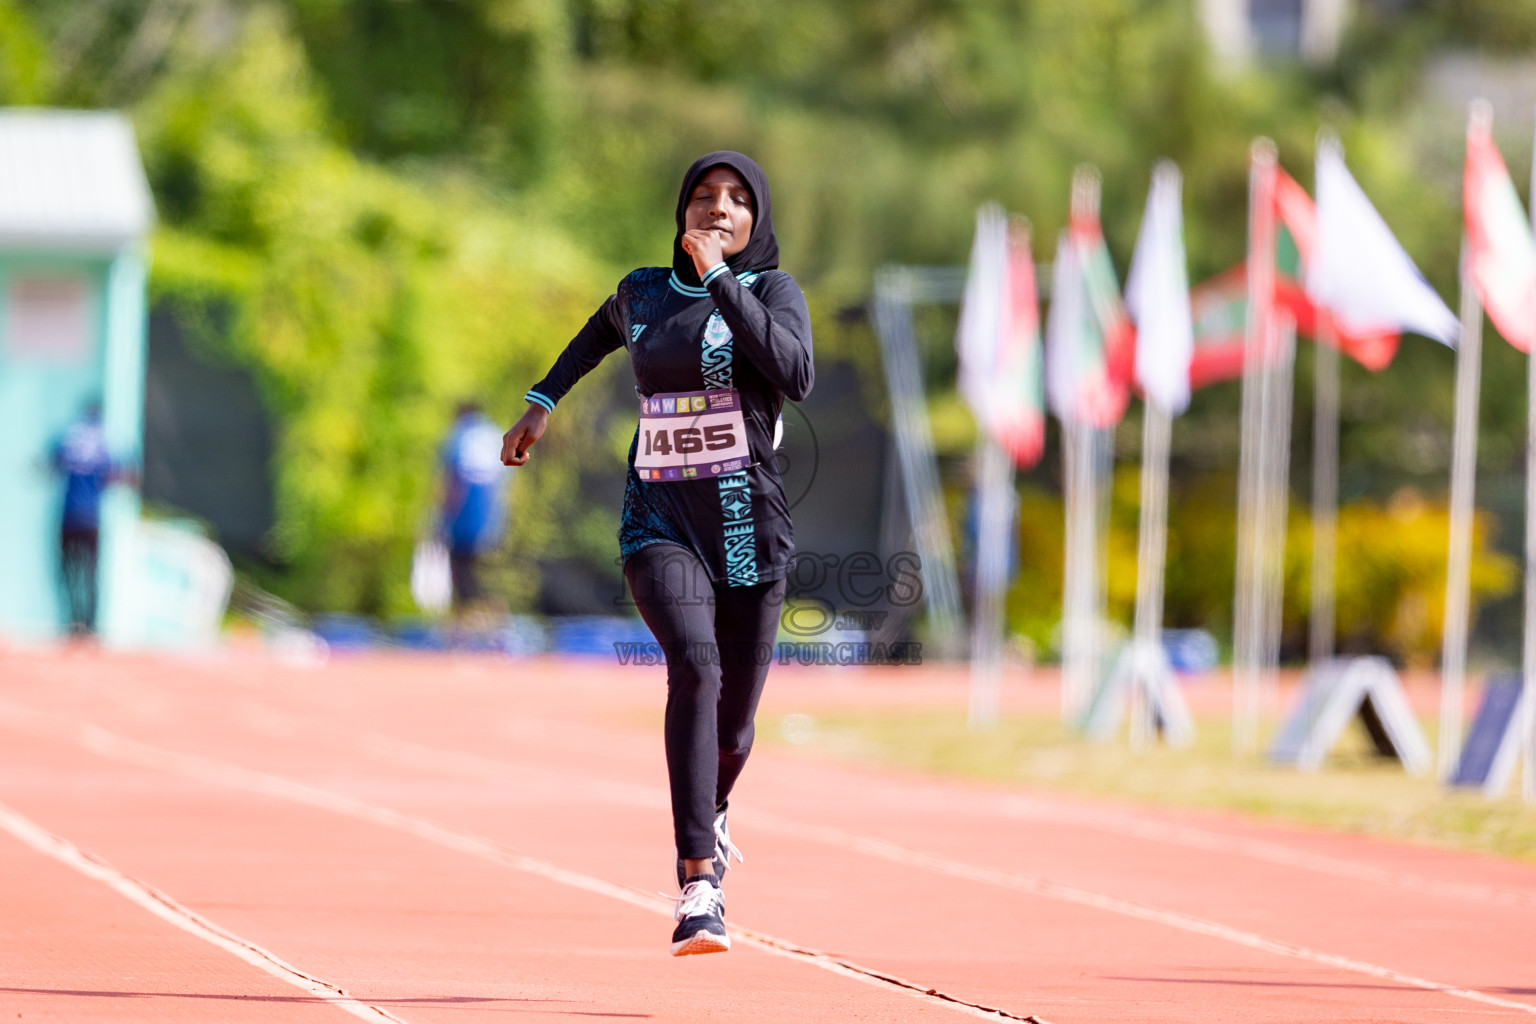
x: 473, y: 512
x: 82, y: 459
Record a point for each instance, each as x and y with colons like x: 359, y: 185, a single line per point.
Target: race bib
x: 691, y: 435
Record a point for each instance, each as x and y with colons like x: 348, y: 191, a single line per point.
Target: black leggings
x: 718, y: 641
x: 78, y: 554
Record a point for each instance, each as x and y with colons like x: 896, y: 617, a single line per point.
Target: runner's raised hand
x: 704, y: 245
x: 528, y: 429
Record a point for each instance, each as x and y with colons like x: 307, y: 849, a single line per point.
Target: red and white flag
x: 1090, y: 343
x: 1221, y: 304
x: 998, y: 340
x: 1501, y: 251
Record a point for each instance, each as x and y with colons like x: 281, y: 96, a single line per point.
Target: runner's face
x: 721, y: 202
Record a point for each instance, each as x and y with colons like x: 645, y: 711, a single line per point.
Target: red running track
x: 464, y: 840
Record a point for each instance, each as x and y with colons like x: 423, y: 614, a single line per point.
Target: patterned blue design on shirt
x: 717, y: 352
x: 647, y: 296
x: 740, y: 530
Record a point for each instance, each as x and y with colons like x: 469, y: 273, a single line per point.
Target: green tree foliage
x: 24, y: 67
x: 481, y: 79
x: 368, y: 303
x: 381, y: 207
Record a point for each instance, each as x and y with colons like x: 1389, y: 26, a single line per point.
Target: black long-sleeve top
x: 752, y: 333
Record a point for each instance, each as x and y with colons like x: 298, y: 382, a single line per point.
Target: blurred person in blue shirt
x: 81, y: 457
x: 474, y: 506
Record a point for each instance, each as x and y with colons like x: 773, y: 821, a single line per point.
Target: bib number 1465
x: 663, y: 440
x: 691, y: 436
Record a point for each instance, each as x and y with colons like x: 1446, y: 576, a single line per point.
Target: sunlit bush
x: 1390, y: 567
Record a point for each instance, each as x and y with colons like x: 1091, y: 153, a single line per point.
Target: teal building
x: 75, y: 213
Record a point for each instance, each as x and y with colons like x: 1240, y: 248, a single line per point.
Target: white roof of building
x: 70, y: 180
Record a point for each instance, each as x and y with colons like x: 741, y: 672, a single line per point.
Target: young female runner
x: 718, y: 341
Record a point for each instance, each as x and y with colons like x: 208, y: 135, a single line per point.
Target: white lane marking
x: 167, y: 909
x: 1264, y: 850
x: 1021, y: 808
x: 207, y: 770
x: 110, y: 745
x: 416, y: 755
x: 1048, y: 889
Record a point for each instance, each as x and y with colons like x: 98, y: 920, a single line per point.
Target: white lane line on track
x: 1193, y: 838
x: 162, y: 906
x: 1048, y: 889
x: 271, y: 722
x: 416, y: 755
x: 108, y: 744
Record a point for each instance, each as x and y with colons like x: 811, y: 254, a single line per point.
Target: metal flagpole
x: 1458, y: 569
x: 1274, y: 504
x: 1156, y: 426
x: 1325, y: 491
x: 1244, y: 737
x: 1102, y: 446
x: 994, y: 496
x: 1079, y: 655
x: 1089, y: 455
x: 1528, y: 660
x: 1247, y: 610
x: 1071, y: 442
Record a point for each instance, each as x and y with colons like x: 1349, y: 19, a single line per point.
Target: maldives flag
x: 1501, y: 251
x: 999, y: 338
x: 1220, y: 305
x: 1020, y: 424
x: 1219, y: 309
x: 1090, y: 345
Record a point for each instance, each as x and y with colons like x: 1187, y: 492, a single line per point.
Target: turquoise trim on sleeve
x: 715, y: 271
x: 538, y: 399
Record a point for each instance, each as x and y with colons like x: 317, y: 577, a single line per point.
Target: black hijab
x: 762, y: 249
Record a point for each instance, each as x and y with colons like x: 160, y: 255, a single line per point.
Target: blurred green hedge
x: 366, y: 303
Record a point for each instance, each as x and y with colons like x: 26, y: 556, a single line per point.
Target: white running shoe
x: 700, y: 918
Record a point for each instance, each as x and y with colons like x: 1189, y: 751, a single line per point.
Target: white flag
x: 1157, y: 296
x: 1361, y: 273
x: 983, y: 313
